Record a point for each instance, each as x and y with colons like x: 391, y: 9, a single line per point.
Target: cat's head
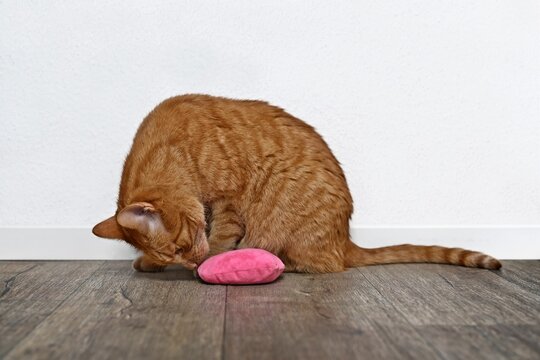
x: 167, y: 235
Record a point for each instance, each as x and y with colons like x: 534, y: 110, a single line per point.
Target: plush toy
x: 241, y: 267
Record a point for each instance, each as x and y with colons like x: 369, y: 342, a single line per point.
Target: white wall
x: 433, y: 107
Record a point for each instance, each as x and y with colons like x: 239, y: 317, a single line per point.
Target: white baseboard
x: 504, y: 242
x: 50, y: 243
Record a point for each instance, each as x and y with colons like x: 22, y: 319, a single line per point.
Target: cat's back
x: 230, y: 139
x: 230, y: 130
x: 196, y: 120
x: 196, y: 111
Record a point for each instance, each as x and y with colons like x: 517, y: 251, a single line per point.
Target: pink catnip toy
x: 241, y: 267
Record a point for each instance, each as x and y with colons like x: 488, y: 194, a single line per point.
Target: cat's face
x: 182, y: 242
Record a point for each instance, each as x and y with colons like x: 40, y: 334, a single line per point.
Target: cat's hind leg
x: 226, y: 227
x: 308, y: 260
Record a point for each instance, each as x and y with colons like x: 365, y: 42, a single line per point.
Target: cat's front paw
x: 142, y: 264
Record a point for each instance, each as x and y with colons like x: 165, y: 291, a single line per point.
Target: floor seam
x: 224, y: 333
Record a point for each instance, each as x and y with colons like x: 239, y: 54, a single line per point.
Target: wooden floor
x: 103, y: 309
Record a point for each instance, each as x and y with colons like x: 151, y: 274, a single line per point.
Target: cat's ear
x: 142, y: 217
x: 109, y: 229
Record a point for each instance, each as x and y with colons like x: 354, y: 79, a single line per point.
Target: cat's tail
x: 357, y: 256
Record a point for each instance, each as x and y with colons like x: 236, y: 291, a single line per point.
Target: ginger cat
x: 208, y: 174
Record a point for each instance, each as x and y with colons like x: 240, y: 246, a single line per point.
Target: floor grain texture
x: 105, y: 310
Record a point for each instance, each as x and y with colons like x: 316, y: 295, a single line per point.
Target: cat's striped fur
x: 268, y: 179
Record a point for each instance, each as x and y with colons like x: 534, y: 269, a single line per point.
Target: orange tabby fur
x: 268, y: 179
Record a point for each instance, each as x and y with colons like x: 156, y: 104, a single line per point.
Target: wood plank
x: 122, y: 314
x: 9, y: 270
x: 524, y: 273
x: 462, y: 312
x: 304, y: 316
x: 105, y: 310
x: 502, y: 302
x: 32, y: 291
x: 515, y: 341
x: 484, y: 342
x: 418, y: 292
x: 430, y: 294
